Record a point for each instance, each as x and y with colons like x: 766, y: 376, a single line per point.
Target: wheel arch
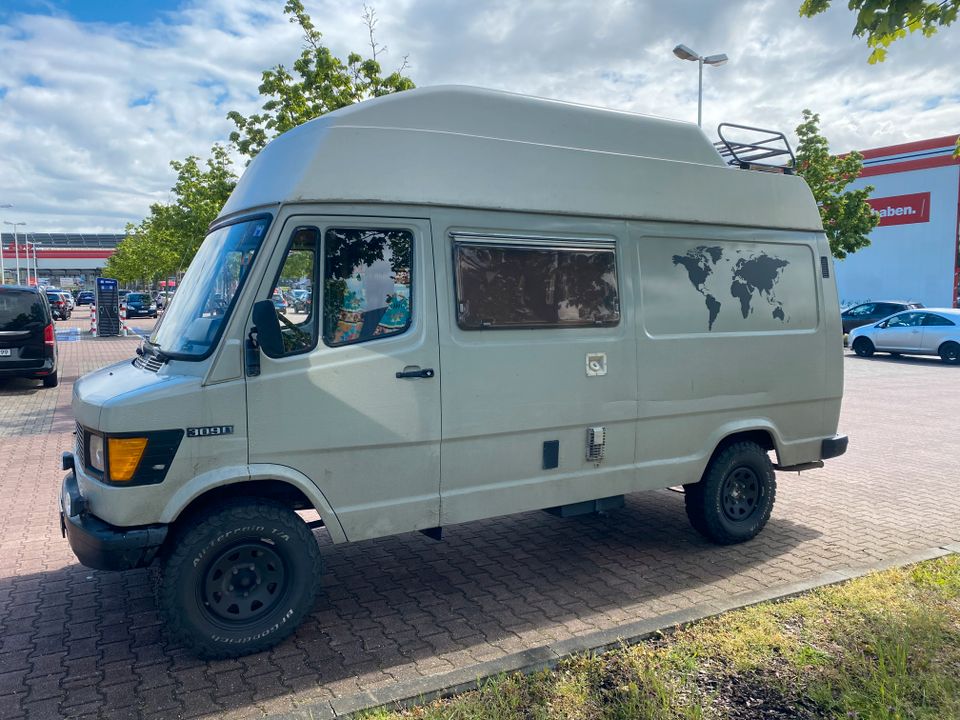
x: 761, y: 433
x: 276, y: 482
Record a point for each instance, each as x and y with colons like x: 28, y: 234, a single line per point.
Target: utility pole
x: 16, y: 246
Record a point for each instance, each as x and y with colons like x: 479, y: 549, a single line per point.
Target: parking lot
x: 82, y: 643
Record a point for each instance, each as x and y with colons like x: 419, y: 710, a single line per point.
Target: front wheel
x: 863, y: 347
x: 239, y: 578
x: 950, y: 353
x: 733, y: 501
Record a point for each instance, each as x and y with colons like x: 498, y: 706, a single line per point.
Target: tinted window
x: 21, y: 310
x: 886, y: 309
x: 509, y: 286
x: 931, y: 320
x: 864, y: 310
x: 367, y: 284
x: 137, y: 297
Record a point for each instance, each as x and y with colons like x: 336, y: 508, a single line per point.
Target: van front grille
x: 150, y: 364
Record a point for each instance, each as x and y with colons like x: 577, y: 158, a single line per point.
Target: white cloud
x: 92, y: 113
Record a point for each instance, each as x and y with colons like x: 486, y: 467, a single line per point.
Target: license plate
x: 4, y: 352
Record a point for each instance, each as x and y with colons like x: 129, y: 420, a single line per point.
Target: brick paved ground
x: 78, y: 643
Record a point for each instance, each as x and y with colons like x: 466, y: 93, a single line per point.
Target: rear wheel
x: 950, y: 353
x: 733, y: 501
x: 863, y: 347
x: 239, y: 578
x: 51, y: 380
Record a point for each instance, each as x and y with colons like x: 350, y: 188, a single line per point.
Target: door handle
x: 412, y: 371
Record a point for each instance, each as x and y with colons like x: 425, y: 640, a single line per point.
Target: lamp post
x: 31, y: 250
x: 16, y: 245
x: 36, y: 265
x: 685, y: 53
x: 3, y: 269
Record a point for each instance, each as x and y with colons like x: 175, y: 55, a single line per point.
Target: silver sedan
x: 931, y: 331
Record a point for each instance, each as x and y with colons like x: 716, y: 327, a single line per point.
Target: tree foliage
x: 319, y: 83
x: 164, y: 243
x: 846, y: 214
x: 883, y: 22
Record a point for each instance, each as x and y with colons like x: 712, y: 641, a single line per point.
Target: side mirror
x: 882, y: 324
x: 268, y: 328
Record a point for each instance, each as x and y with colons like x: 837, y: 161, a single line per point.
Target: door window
x: 299, y: 272
x: 906, y: 320
x: 367, y: 284
x: 865, y: 310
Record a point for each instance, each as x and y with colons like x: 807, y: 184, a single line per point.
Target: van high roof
x: 470, y: 147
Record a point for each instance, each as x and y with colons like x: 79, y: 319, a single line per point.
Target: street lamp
x: 16, y: 246
x: 3, y: 270
x: 685, y: 53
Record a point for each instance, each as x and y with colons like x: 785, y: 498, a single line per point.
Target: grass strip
x: 883, y: 646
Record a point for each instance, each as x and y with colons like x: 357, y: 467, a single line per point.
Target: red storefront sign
x: 902, y: 209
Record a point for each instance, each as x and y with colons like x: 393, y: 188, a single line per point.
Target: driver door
x: 903, y: 332
x: 332, y: 406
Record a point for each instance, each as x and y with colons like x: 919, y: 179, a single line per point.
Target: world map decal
x: 753, y: 277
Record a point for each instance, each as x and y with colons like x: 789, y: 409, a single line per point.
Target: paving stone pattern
x: 81, y: 643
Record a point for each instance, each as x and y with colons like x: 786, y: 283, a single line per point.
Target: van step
x: 587, y: 506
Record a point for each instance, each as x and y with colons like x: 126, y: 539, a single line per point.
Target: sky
x: 98, y: 96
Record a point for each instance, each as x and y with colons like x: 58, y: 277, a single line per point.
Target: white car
x: 931, y: 331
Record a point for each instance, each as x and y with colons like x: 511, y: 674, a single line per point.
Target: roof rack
x: 754, y: 146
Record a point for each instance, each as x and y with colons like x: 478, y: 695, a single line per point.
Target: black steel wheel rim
x: 740, y: 494
x: 952, y: 354
x: 244, y: 583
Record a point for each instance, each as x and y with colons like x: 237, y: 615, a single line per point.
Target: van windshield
x: 191, y: 326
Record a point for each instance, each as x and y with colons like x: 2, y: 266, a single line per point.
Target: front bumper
x: 98, y: 544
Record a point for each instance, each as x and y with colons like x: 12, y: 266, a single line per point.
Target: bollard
x: 93, y: 321
x: 123, y: 320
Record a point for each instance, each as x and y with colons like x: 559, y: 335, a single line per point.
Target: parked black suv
x: 871, y: 312
x: 28, y: 344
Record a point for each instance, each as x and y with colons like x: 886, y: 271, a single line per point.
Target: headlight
x: 95, y: 452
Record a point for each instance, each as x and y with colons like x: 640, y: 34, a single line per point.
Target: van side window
x: 367, y: 284
x: 293, y: 297
x: 503, y: 286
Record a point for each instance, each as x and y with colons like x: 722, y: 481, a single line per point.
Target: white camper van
x: 514, y: 303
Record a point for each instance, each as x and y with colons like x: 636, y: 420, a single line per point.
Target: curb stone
x: 545, y: 657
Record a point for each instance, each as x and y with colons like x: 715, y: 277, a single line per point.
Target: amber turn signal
x: 123, y: 456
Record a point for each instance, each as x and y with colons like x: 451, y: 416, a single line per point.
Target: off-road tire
x: 51, y: 380
x: 220, y: 546
x: 950, y: 353
x: 733, y: 501
x: 863, y: 347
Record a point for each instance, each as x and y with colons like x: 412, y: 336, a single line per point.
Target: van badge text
x: 210, y: 431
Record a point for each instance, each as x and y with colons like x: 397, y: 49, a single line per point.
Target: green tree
x: 319, y: 83
x: 883, y: 22
x: 846, y: 214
